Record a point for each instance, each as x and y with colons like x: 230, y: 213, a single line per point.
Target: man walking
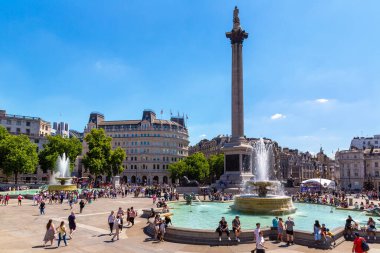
x: 72, y: 224
x: 289, y: 226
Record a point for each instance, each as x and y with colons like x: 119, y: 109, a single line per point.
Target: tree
x: 194, y: 167
x: 56, y: 146
x: 3, y: 135
x: 100, y: 158
x: 216, y: 163
x: 198, y: 167
x: 116, y: 160
x: 177, y: 169
x: 19, y: 155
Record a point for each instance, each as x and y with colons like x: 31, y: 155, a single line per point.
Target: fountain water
x: 62, y: 168
x: 261, y: 202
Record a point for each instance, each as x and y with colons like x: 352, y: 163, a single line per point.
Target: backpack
x: 365, y: 246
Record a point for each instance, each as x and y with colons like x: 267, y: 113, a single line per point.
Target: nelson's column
x: 237, y: 161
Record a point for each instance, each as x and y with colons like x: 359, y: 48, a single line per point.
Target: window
x: 8, y: 129
x: 18, y: 130
x: 18, y: 123
x: 28, y: 131
x: 376, y: 164
x: 9, y: 122
x: 376, y: 173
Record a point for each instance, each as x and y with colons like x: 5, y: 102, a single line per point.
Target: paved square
x: 22, y: 229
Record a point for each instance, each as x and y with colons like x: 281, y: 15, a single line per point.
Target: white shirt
x: 257, y: 234
x: 260, y: 243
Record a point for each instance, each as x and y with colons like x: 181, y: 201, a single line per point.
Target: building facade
x: 61, y: 128
x: 359, y: 167
x: 210, y: 147
x: 36, y: 129
x: 150, y: 144
x: 365, y: 142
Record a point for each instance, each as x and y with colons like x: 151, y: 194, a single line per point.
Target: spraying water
x: 62, y: 167
x: 262, y: 160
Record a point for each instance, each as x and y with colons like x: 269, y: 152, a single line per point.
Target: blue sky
x: 311, y: 68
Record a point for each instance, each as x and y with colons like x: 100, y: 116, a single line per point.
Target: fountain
x: 64, y: 182
x: 260, y: 202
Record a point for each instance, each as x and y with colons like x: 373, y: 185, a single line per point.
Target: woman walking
x: 116, y: 226
x: 111, y: 221
x: 50, y: 233
x: 280, y: 229
x: 62, y: 233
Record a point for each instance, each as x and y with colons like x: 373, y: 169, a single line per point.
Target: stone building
x: 359, y: 167
x: 209, y: 147
x: 150, y: 144
x: 365, y: 142
x: 36, y: 129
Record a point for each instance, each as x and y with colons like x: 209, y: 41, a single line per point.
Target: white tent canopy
x: 325, y: 183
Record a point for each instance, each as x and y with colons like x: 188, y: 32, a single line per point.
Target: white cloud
x: 277, y: 116
x: 202, y: 136
x: 321, y: 100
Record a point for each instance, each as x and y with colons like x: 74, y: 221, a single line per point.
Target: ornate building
x: 150, y: 144
x: 359, y: 167
x: 210, y: 147
x: 36, y: 129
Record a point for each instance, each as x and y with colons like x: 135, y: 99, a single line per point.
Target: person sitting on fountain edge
x: 223, y: 227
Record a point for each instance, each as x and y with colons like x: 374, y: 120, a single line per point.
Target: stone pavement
x: 22, y: 230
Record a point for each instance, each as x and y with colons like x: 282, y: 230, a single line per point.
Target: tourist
x: 168, y: 221
x: 223, y: 227
x: 280, y: 229
x: 358, y: 246
x: 132, y: 215
x: 111, y: 221
x: 260, y: 248
x: 236, y: 227
x: 81, y: 205
x: 152, y: 215
x: 116, y: 226
x: 6, y: 199
x: 257, y: 232
x: 275, y: 223
x: 62, y: 233
x: 162, y: 230
x: 348, y: 228
x: 42, y: 207
x: 330, y: 235
x: 317, y: 231
x: 120, y: 213
x: 71, y: 202
x: 289, y: 227
x: 72, y: 224
x: 157, y: 222
x: 50, y: 233
x: 19, y: 199
x: 371, y: 228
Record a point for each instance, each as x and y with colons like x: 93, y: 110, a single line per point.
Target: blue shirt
x: 275, y: 223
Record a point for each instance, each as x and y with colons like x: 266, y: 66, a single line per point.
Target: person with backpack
x: 360, y: 245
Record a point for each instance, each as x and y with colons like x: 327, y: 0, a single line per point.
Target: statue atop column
x: 237, y: 34
x: 236, y: 19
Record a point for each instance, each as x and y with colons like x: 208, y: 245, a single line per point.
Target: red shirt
x: 358, y: 244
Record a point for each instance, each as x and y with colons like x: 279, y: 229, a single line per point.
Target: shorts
x: 72, y: 226
x: 289, y: 232
x: 234, y: 229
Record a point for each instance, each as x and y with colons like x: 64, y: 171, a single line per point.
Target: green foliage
x: 116, y: 160
x: 100, y: 159
x: 194, y: 167
x: 18, y: 155
x: 57, y: 145
x: 3, y: 133
x: 216, y: 163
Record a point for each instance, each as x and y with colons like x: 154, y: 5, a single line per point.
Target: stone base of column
x: 237, y: 165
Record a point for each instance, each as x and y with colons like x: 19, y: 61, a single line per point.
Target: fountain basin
x: 269, y: 205
x: 66, y: 187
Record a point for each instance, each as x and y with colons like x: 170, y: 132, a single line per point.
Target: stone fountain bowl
x: 269, y: 205
x: 65, y: 185
x: 264, y: 183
